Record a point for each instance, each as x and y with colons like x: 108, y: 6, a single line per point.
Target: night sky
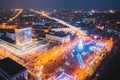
x: 60, y: 4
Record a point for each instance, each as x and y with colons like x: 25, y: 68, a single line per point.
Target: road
x: 79, y: 32
x: 11, y: 19
x: 52, y: 59
x: 56, y: 53
x: 14, y: 17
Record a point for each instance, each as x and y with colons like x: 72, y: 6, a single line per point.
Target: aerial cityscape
x: 59, y: 43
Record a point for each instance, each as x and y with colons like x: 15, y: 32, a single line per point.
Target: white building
x: 61, y: 29
x: 58, y: 37
x: 23, y: 36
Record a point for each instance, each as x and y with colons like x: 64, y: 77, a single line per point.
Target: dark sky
x: 61, y: 4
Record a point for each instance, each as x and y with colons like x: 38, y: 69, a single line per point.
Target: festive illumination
x: 95, y: 37
x: 80, y: 45
x: 94, y: 48
x: 65, y: 76
x: 80, y: 60
x: 101, y: 44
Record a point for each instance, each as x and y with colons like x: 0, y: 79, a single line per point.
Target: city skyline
x: 60, y: 4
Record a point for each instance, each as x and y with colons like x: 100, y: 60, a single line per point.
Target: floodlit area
x: 73, y: 60
x: 25, y: 49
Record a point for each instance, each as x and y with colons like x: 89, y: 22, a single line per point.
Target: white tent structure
x: 64, y: 76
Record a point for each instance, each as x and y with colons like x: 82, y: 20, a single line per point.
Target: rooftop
x: 59, y: 34
x: 7, y: 30
x: 11, y: 67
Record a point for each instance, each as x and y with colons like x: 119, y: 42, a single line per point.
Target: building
x: 58, y: 37
x: 89, y: 20
x: 20, y: 36
x: 61, y: 29
x: 23, y: 36
x: 8, y: 35
x: 11, y: 70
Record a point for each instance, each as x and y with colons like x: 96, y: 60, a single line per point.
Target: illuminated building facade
x: 58, y: 37
x: 23, y: 36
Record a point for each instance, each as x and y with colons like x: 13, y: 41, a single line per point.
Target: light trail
x: 73, y: 28
x: 79, y: 73
x: 4, y: 26
x: 57, y: 53
x: 14, y: 17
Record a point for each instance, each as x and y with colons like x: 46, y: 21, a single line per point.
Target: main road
x: 3, y: 25
x: 79, y: 32
x: 55, y: 53
x: 14, y: 17
x: 51, y: 59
